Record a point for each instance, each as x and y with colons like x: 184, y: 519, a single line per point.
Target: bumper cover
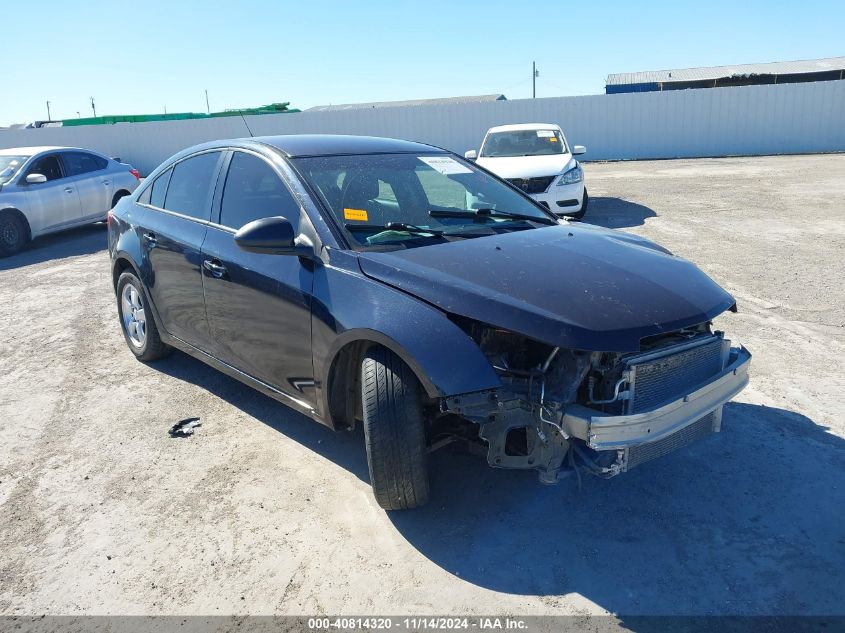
x: 565, y: 193
x: 602, y: 432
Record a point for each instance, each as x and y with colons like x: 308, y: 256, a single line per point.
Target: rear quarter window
x: 159, y: 189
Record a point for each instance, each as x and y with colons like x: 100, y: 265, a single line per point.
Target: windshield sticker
x: 552, y: 139
x: 545, y: 133
x: 445, y: 165
x: 355, y: 214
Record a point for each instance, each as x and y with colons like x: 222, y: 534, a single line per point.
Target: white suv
x: 536, y: 158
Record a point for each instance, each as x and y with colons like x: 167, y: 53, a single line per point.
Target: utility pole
x: 49, y: 118
x: 207, y: 107
x: 534, y: 74
x: 78, y: 114
x: 93, y: 107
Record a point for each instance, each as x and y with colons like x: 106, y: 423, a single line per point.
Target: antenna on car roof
x: 243, y: 118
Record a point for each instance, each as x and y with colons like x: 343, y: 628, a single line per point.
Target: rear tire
x: 136, y: 320
x: 14, y: 234
x: 394, y: 431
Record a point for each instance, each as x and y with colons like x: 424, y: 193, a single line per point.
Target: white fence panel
x: 773, y: 119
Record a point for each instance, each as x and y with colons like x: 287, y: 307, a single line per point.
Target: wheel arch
x: 120, y: 193
x: 343, y: 374
x: 122, y: 263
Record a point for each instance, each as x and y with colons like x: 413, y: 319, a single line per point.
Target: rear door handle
x: 107, y: 182
x: 68, y: 189
x: 150, y: 239
x: 214, y: 267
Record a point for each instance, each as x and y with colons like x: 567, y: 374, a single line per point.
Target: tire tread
x: 394, y: 431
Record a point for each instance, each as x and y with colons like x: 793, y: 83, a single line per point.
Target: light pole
x: 207, y: 107
x: 93, y: 107
x: 49, y: 118
x: 534, y: 74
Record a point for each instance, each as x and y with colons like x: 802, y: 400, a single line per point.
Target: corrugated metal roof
x: 412, y: 102
x: 719, y: 72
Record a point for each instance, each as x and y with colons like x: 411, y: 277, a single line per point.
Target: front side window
x: 190, y: 187
x: 77, y: 163
x: 9, y: 166
x: 48, y: 166
x: 403, y: 200
x: 253, y: 191
x: 523, y: 143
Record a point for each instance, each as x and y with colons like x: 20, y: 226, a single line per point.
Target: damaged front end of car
x: 603, y: 413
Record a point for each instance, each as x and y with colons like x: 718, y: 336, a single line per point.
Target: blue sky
x: 140, y: 57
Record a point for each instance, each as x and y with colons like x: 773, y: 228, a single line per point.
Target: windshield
x: 523, y: 143
x: 389, y: 200
x: 9, y: 166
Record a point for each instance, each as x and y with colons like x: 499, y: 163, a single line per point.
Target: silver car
x: 49, y: 189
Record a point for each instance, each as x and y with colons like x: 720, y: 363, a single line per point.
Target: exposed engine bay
x: 600, y: 412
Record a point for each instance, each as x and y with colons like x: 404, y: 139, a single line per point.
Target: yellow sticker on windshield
x: 355, y: 214
x: 552, y: 139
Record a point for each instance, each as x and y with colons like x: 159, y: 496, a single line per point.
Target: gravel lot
x: 263, y: 511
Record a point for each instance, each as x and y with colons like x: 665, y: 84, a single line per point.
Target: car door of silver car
x: 88, y: 174
x: 54, y: 204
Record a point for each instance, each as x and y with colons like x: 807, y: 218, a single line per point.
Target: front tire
x: 13, y: 234
x: 394, y: 431
x: 136, y: 320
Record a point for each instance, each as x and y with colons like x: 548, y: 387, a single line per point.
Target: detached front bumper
x: 649, y: 434
x: 662, y: 413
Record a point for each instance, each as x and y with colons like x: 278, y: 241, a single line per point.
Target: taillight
x: 109, y: 217
x: 135, y: 173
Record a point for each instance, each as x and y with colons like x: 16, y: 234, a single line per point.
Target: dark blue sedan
x: 394, y: 284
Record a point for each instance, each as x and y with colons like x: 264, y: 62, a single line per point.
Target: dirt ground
x: 265, y: 512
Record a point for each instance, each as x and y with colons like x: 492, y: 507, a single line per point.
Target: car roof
x: 524, y: 126
x: 29, y: 151
x: 297, y: 145
x: 32, y: 151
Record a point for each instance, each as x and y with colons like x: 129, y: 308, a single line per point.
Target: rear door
x: 174, y: 230
x: 258, y: 305
x: 88, y: 174
x: 54, y: 204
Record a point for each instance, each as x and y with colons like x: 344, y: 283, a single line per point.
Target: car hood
x: 526, y: 166
x: 570, y: 286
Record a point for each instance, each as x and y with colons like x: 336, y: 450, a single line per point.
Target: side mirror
x: 471, y: 154
x: 578, y: 149
x: 272, y: 236
x: 36, y: 179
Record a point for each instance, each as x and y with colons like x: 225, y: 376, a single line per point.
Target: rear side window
x: 254, y: 191
x: 159, y: 189
x: 189, y: 190
x: 77, y: 163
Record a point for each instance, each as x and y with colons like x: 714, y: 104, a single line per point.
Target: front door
x: 258, y: 305
x: 173, y: 233
x: 53, y: 204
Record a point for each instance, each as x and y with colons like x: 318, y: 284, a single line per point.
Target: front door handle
x: 68, y: 189
x: 214, y: 267
x: 150, y: 239
x: 106, y: 182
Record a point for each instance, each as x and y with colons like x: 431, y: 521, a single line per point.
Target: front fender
x: 350, y: 307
